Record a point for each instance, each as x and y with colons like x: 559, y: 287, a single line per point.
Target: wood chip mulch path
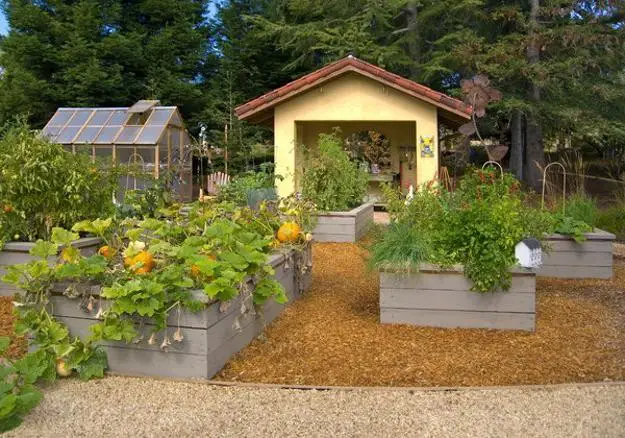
x: 18, y: 344
x: 331, y: 336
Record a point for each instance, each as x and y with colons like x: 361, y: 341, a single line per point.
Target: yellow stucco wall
x: 351, y: 97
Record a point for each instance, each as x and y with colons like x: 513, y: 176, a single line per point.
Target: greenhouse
x: 146, y: 135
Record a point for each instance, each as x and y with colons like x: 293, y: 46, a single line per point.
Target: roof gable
x: 351, y: 64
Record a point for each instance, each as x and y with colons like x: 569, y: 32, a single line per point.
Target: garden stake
x: 494, y: 162
x: 542, y: 203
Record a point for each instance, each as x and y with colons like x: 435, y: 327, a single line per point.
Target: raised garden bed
x: 443, y: 298
x: 211, y: 336
x: 591, y: 258
x: 344, y: 226
x: 15, y: 253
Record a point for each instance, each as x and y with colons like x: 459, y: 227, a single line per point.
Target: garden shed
x: 148, y: 136
x: 362, y: 100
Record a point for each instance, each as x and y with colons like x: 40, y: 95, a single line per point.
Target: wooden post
x: 168, y: 149
x: 157, y: 159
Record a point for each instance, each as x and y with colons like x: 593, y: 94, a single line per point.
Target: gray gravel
x: 132, y: 407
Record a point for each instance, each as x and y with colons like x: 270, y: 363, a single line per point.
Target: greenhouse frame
x: 145, y: 135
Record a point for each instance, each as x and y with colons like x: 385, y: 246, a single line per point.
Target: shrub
x: 330, y: 179
x: 42, y: 185
x: 612, y: 219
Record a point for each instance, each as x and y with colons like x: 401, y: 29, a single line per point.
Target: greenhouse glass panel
x: 88, y: 134
x: 160, y: 116
x: 61, y: 118
x: 67, y: 134
x: 128, y: 135
x: 125, y: 155
x: 107, y: 135
x: 104, y: 152
x: 100, y: 118
x: 150, y: 135
x: 80, y: 117
x: 118, y: 118
x: 84, y: 150
x: 51, y: 132
x: 175, y: 120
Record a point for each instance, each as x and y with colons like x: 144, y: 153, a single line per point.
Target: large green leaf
x: 94, y: 366
x: 63, y: 237
x: 44, y: 249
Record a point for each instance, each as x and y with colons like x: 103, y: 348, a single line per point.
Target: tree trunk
x: 413, y: 36
x: 517, y: 147
x: 534, y: 154
x: 534, y: 149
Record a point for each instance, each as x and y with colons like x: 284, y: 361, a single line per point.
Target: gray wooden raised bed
x: 211, y: 336
x: 566, y: 258
x: 15, y: 253
x: 344, y: 226
x: 443, y: 298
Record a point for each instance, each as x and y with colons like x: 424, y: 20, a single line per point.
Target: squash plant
x: 146, y: 269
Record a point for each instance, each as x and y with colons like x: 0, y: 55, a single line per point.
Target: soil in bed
x: 332, y: 336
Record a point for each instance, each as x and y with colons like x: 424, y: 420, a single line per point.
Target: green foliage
x: 330, y: 179
x: 482, y: 226
x: 612, y: 219
x: 476, y: 226
x: 148, y: 202
x: 43, y: 186
x: 402, y: 247
x: 243, y: 187
x: 315, y: 33
x: 582, y: 208
x: 570, y: 226
x: 215, y: 249
x: 18, y: 395
x: 87, y: 53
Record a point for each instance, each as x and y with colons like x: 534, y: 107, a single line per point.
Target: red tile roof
x: 350, y: 63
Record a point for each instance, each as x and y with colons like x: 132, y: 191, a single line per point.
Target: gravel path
x: 133, y: 407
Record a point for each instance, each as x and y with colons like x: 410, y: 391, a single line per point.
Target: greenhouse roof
x: 107, y: 126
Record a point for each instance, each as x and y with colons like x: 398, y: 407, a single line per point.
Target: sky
x: 3, y: 24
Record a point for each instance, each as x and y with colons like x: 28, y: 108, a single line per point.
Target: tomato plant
x: 42, y: 186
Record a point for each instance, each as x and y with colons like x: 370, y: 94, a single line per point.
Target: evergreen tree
x: 558, y: 64
x: 101, y: 53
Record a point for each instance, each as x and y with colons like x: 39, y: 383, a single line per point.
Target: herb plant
x: 402, y: 247
x: 582, y: 208
x: 330, y: 179
x: 476, y: 226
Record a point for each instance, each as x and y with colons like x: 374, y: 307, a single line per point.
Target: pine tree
x: 101, y: 53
